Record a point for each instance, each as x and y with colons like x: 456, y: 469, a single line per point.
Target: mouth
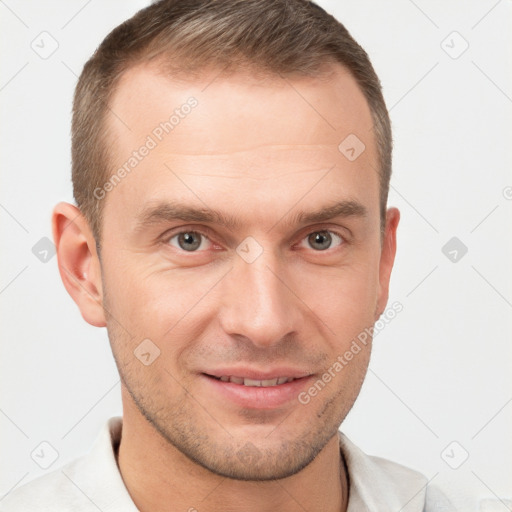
x: 249, y: 392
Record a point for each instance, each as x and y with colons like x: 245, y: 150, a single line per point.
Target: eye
x: 189, y: 241
x: 322, y: 240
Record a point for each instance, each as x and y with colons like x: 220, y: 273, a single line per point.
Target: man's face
x: 244, y: 244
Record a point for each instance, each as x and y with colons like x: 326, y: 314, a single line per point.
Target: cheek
x: 153, y: 300
x: 151, y: 312
x: 344, y: 298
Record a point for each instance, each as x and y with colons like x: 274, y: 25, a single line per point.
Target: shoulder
x: 90, y: 483
x: 378, y: 484
x: 54, y: 491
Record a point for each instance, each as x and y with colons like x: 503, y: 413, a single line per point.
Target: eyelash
x: 169, y: 237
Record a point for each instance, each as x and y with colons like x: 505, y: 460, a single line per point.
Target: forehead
x: 219, y: 135
x: 332, y: 106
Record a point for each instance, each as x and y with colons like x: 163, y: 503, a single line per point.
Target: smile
x: 250, y: 393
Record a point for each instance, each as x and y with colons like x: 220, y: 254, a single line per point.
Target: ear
x: 78, y: 261
x: 387, y: 258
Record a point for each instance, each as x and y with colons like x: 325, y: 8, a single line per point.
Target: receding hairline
x: 170, y: 67
x: 247, y: 72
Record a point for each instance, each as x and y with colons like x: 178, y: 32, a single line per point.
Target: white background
x: 440, y: 371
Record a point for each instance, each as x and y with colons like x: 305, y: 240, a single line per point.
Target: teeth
x: 252, y: 382
x: 255, y: 383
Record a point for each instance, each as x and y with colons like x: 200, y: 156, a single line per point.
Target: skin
x: 256, y: 151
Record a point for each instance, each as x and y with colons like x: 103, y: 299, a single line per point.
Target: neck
x: 159, y: 477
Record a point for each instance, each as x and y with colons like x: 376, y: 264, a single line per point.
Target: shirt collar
x: 377, y: 484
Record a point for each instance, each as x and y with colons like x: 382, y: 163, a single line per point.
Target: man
x: 231, y: 164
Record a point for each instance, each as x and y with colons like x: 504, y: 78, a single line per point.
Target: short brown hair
x: 286, y: 37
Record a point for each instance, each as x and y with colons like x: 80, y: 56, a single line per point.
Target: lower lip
x: 259, y: 397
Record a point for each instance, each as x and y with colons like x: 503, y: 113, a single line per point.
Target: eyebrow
x: 343, y: 209
x: 168, y: 212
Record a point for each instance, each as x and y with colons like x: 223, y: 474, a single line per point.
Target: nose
x: 258, y: 304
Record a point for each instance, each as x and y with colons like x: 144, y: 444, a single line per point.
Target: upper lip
x: 251, y: 373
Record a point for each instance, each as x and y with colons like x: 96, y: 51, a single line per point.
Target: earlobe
x: 78, y: 261
x: 387, y: 258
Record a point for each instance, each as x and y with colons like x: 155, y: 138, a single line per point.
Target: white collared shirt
x: 93, y: 482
